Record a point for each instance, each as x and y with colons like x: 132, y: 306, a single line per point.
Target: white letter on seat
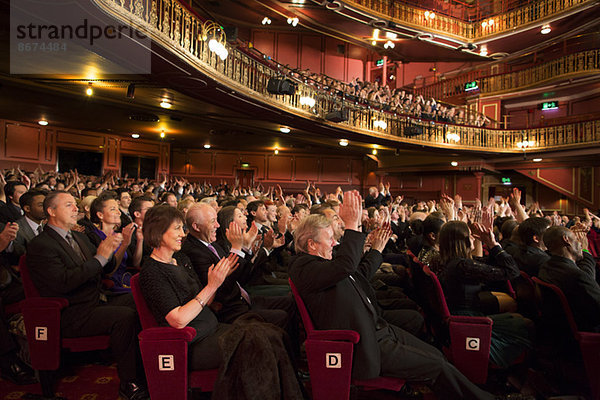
x: 41, y: 333
x: 333, y: 360
x: 166, y: 363
x: 473, y: 344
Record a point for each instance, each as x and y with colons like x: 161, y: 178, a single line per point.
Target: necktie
x: 243, y: 292
x: 212, y: 248
x: 75, y: 246
x: 39, y: 230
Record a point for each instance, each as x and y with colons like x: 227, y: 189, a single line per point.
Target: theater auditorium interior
x: 353, y: 187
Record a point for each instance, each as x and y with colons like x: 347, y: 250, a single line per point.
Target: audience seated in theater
x: 173, y: 291
x: 430, y: 252
x: 231, y: 300
x: 573, y: 269
x: 106, y: 217
x: 378, y: 196
x: 62, y: 263
x: 532, y: 252
x: 11, y: 210
x: 464, y: 280
x: 30, y: 225
x: 138, y: 248
x: 124, y: 198
x: 257, y: 213
x: 335, y: 291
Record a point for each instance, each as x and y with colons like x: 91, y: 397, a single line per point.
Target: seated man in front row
x: 334, y: 292
x: 62, y: 263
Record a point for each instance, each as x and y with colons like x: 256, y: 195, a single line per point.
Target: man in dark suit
x: 333, y: 290
x: 257, y: 213
x: 30, y: 225
x: 11, y: 211
x: 573, y: 270
x: 532, y: 253
x: 231, y: 300
x: 64, y: 263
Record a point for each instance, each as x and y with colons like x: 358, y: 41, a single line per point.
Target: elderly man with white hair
x: 336, y: 293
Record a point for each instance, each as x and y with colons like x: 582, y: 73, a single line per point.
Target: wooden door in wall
x: 245, y: 177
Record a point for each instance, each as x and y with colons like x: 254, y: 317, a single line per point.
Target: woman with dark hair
x: 173, y: 291
x: 261, y: 278
x: 106, y: 217
x: 465, y: 279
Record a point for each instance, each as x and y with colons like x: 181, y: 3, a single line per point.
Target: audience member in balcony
x: 572, y: 268
x: 11, y: 210
x: 336, y: 292
x: 174, y: 294
x: 62, y: 263
x: 30, y: 225
x: 106, y: 217
x: 464, y: 280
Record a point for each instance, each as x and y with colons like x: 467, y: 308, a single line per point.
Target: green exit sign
x: 549, y: 105
x: 245, y: 165
x: 471, y: 86
x: 379, y: 63
x: 506, y: 181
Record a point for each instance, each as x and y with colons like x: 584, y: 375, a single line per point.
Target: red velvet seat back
x: 146, y: 318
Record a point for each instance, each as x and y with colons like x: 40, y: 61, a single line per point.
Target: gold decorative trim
x: 554, y: 184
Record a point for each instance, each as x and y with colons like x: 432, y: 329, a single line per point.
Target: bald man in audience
x: 573, y: 269
x: 231, y: 300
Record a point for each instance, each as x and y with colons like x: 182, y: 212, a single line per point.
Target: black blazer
x: 232, y: 305
x: 334, y: 302
x: 56, y: 272
x: 9, y: 212
x: 578, y: 283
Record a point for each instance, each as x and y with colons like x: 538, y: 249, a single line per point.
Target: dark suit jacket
x: 577, y: 281
x: 529, y: 259
x: 333, y: 301
x: 24, y: 236
x: 9, y: 212
x: 56, y: 272
x: 228, y: 295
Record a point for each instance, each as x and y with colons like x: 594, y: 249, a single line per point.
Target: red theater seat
x: 466, y: 340
x: 42, y: 322
x: 589, y: 342
x: 329, y: 356
x: 165, y: 355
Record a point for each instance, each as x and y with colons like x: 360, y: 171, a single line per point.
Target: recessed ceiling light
x: 343, y: 142
x: 135, y: 135
x: 276, y: 151
x: 89, y: 91
x: 454, y: 163
x: 165, y: 103
x: 162, y: 134
x: 284, y: 129
x: 43, y: 122
x: 207, y: 146
x: 537, y: 159
x: 374, y: 152
x: 546, y: 29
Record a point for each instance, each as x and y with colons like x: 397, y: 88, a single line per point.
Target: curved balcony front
x: 178, y: 30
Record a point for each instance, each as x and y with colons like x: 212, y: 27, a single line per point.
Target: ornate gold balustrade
x: 572, y: 65
x: 415, y: 17
x: 171, y: 25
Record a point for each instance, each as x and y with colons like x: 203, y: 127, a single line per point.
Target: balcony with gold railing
x: 570, y: 66
x: 170, y: 24
x: 470, y: 23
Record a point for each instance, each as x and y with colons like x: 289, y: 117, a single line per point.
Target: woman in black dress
x: 173, y: 291
x: 465, y: 283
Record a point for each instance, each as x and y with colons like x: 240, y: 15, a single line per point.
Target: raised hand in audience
x: 380, y: 237
x: 250, y: 236
x: 8, y: 234
x: 351, y: 210
x: 235, y: 236
x: 484, y: 234
x: 458, y: 201
x: 107, y: 247
x: 217, y: 273
x: 580, y: 230
x: 446, y: 206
